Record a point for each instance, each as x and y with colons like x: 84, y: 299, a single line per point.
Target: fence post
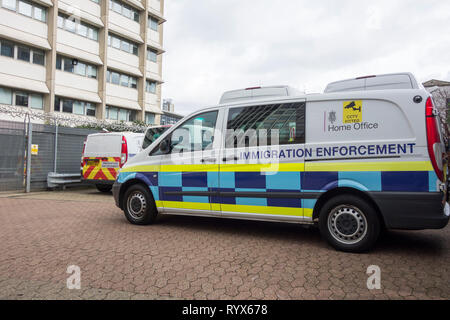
x: 30, y: 136
x: 56, y: 148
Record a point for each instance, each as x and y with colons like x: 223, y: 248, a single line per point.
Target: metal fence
x: 64, y: 158
x: 31, y: 153
x: 52, y: 149
x: 12, y: 155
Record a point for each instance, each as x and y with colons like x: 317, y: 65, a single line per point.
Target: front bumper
x: 116, y: 193
x: 104, y: 182
x: 412, y: 210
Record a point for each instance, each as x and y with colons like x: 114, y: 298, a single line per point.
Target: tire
x: 139, y: 206
x: 349, y: 224
x: 104, y: 187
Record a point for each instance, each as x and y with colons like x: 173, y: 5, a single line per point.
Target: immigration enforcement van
x: 105, y: 153
x: 364, y: 156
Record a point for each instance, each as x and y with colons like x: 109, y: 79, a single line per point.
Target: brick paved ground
x: 183, y: 257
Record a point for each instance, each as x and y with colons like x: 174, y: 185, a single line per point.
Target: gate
x: 12, y: 155
x: 57, y: 150
x: 41, y: 147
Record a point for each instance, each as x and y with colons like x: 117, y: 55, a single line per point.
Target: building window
x: 21, y: 98
x: 150, y: 86
x: 124, y: 10
x: 113, y: 77
x: 67, y: 105
x: 168, y: 105
x: 40, y: 14
x: 78, y: 27
x: 75, y: 106
x: 68, y: 65
x: 149, y: 118
x: 24, y: 53
x: 38, y: 57
x: 36, y: 101
x: 76, y: 67
x: 26, y: 8
x: 91, y: 71
x: 5, y: 96
x: 80, y: 69
x: 9, y: 4
x: 113, y: 113
x: 121, y: 79
x: 166, y: 119
x: 7, y: 49
x: 152, y: 55
x: 122, y: 44
x: 153, y: 24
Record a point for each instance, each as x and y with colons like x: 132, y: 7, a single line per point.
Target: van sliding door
x: 262, y: 162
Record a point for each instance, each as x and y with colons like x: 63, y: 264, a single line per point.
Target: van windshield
x: 152, y: 134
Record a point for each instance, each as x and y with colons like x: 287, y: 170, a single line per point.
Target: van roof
x: 403, y: 80
x: 127, y: 133
x: 254, y: 93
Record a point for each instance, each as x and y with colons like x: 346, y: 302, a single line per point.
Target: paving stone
x: 198, y: 258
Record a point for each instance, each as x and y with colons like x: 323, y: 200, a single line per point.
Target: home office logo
x: 351, y: 117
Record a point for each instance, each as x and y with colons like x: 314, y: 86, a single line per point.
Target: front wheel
x: 139, y: 205
x: 349, y: 223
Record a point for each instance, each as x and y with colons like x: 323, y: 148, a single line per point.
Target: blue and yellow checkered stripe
x: 312, y: 177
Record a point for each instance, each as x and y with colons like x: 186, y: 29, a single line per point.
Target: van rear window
x: 106, y: 145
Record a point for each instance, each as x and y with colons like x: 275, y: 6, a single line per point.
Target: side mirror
x: 164, y: 146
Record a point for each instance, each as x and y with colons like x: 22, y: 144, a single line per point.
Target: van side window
x: 195, y: 134
x: 287, y: 118
x: 151, y: 135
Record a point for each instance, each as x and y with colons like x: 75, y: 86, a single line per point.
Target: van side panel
x: 378, y: 146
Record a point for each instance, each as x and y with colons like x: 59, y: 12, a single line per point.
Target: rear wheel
x: 104, y: 187
x: 139, y: 205
x: 349, y: 223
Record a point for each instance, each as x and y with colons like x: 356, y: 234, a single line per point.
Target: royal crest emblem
x: 332, y: 117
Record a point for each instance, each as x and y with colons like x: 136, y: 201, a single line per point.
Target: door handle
x: 225, y: 159
x: 209, y: 160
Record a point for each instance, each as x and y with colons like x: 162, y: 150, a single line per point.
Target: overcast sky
x: 218, y: 45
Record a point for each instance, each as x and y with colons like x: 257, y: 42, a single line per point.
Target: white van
x: 105, y: 153
x: 351, y: 162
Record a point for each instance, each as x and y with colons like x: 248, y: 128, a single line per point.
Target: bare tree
x: 441, y: 96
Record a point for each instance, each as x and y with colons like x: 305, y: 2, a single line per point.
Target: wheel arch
x: 343, y: 191
x: 128, y: 184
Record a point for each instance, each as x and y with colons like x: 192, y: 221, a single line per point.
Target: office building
x: 83, y: 58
